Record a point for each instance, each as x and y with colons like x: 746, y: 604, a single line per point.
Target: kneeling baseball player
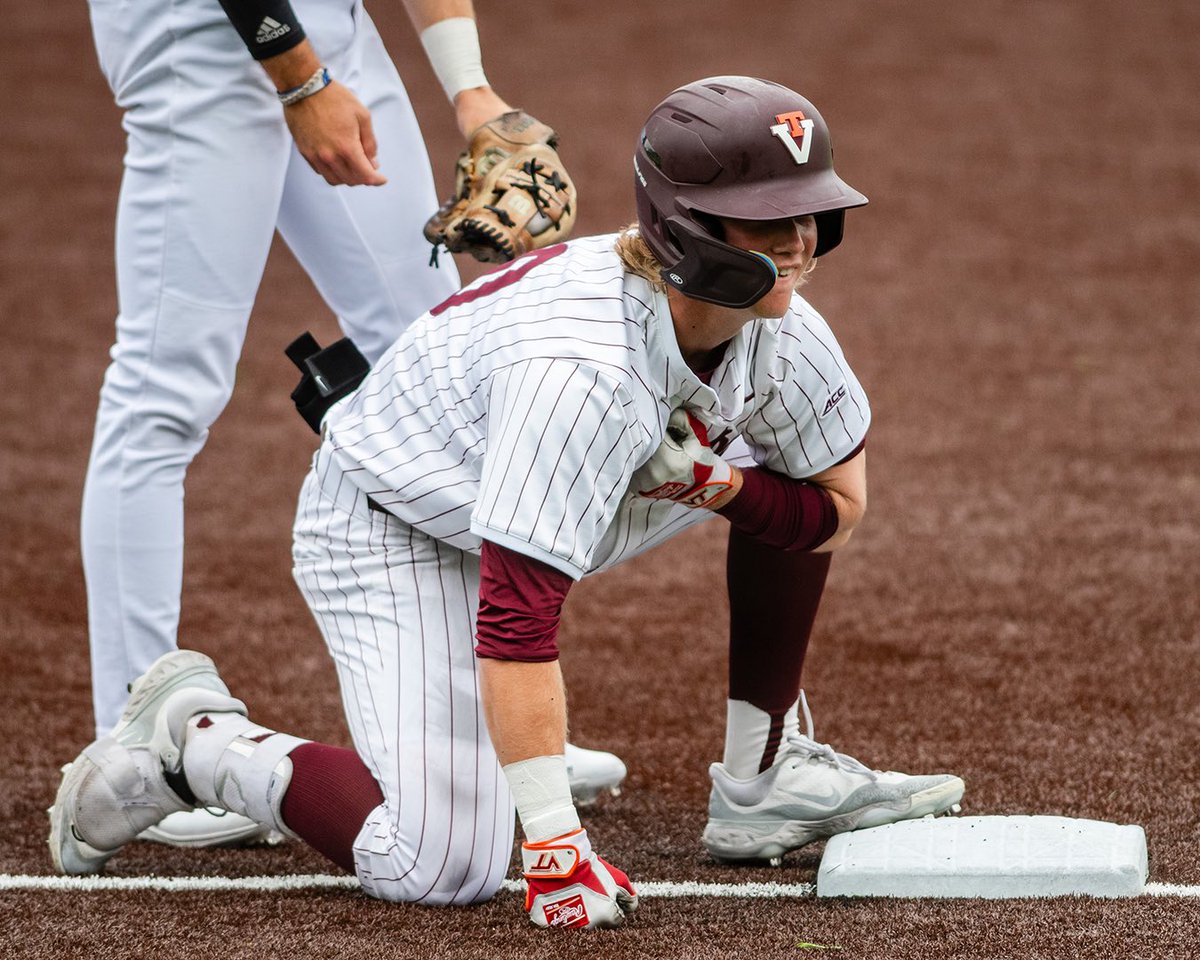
x: 587, y: 402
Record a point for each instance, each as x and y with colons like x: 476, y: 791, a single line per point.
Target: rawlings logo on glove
x: 569, y: 886
x: 511, y: 196
x: 685, y: 469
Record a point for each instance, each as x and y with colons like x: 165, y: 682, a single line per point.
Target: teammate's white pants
x: 397, y: 609
x: 210, y: 172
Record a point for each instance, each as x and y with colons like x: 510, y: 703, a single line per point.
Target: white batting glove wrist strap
x: 542, y: 793
x: 557, y: 858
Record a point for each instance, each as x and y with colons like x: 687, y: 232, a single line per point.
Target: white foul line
x: 328, y: 882
x: 321, y: 881
x: 1171, y: 890
x: 178, y: 884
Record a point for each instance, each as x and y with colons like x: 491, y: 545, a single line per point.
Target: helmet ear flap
x: 829, y: 231
x: 716, y: 272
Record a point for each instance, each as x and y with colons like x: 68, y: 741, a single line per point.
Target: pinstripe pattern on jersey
x: 521, y: 412
x: 562, y: 445
x: 397, y: 610
x: 789, y: 431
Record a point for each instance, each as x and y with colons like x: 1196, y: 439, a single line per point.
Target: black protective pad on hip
x: 326, y: 375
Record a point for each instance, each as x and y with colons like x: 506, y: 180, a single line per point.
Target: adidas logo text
x: 271, y: 29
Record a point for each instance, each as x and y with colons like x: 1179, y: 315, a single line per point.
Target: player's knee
x: 434, y: 883
x: 167, y: 420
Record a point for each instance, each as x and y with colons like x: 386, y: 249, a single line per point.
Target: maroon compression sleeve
x: 331, y: 794
x: 782, y: 512
x: 773, y: 600
x: 520, y: 603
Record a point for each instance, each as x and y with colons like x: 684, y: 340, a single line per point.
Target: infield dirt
x: 1020, y: 607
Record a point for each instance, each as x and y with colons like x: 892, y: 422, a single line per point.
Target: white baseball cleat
x: 123, y: 782
x: 810, y: 793
x: 210, y: 827
x: 593, y: 772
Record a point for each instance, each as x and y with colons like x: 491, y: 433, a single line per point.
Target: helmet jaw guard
x: 741, y: 148
x: 717, y: 272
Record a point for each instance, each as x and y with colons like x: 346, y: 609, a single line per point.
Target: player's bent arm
x: 790, y: 514
x: 818, y: 513
x: 846, y: 484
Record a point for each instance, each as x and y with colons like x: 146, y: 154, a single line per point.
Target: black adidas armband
x: 267, y: 27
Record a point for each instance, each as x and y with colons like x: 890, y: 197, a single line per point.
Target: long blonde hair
x: 637, y: 257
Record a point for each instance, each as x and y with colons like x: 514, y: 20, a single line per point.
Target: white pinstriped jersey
x: 519, y: 411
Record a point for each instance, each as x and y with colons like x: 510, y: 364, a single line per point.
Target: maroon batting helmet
x: 733, y: 147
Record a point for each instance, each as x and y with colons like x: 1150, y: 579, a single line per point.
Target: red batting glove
x: 685, y: 469
x: 569, y: 886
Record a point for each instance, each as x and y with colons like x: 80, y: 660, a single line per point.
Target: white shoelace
x: 805, y: 744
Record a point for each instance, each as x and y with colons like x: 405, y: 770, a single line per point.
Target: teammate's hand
x: 685, y: 469
x: 569, y: 886
x: 475, y: 106
x: 333, y: 132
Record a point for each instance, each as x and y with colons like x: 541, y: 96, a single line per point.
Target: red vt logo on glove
x: 546, y: 862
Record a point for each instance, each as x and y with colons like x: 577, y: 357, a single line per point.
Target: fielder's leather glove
x: 569, y: 886
x: 684, y: 467
x: 512, y: 194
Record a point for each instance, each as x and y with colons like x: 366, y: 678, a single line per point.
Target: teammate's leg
x: 363, y: 246
x: 203, y: 176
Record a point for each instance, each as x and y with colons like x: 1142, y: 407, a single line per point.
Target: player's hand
x: 333, y: 132
x: 569, y: 886
x: 685, y: 469
x: 475, y: 106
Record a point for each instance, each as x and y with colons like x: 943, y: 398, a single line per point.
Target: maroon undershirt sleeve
x: 782, y: 512
x: 520, y: 603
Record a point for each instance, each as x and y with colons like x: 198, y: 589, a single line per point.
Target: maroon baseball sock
x: 773, y: 601
x: 328, y: 800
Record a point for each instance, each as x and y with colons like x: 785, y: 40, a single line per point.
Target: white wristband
x: 452, y: 47
x: 314, y: 84
x: 542, y: 793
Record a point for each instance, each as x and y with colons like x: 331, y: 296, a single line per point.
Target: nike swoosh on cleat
x: 829, y: 799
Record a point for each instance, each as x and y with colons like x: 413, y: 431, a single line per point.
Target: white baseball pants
x: 210, y: 173
x: 397, y: 610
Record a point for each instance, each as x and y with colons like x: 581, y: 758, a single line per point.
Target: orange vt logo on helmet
x: 793, y: 131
